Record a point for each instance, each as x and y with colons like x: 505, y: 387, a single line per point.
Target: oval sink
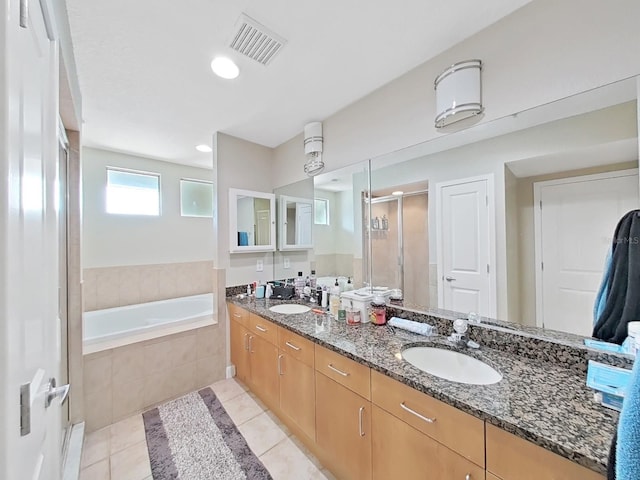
x: 450, y: 365
x: 289, y: 308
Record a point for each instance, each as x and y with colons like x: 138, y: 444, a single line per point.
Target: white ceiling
x: 148, y: 90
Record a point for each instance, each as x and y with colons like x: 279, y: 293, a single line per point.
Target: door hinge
x: 540, y: 204
x: 25, y: 409
x: 486, y: 200
x: 24, y: 13
x: 487, y: 268
x: 542, y: 265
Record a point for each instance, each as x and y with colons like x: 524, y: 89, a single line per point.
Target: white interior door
x: 29, y: 329
x: 304, y: 221
x: 575, y: 224
x: 464, y: 222
x: 263, y: 227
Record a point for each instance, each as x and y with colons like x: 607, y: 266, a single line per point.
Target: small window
x: 196, y: 198
x: 132, y: 193
x: 321, y: 215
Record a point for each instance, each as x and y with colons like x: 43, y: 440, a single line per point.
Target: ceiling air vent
x: 256, y: 41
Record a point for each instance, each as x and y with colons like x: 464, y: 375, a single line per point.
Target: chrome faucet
x: 459, y: 337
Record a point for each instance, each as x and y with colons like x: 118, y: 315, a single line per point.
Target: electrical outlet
x: 259, y: 266
x: 286, y: 262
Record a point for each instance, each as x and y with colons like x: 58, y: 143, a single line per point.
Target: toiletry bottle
x: 324, y: 298
x: 385, y: 222
x: 319, y: 295
x: 260, y: 290
x: 268, y: 291
x: 248, y: 289
x: 376, y: 223
x: 313, y: 281
x: 378, y: 311
x: 299, y: 285
x: 349, y: 286
x: 334, y: 300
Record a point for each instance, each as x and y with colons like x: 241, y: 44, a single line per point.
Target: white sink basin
x: 450, y: 365
x: 289, y: 308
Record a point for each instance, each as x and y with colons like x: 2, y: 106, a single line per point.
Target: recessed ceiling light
x: 397, y: 193
x: 204, y: 148
x: 225, y: 68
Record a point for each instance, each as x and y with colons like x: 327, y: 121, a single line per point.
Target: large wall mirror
x: 511, y: 219
x: 251, y: 221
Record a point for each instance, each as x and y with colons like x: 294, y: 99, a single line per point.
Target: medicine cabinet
x: 295, y: 223
x: 252, y: 222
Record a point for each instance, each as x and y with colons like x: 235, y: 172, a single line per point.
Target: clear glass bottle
x: 299, y: 285
x: 313, y: 281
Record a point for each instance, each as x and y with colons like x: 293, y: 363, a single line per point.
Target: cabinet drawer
x: 352, y: 375
x: 295, y: 346
x: 457, y: 430
x: 513, y: 458
x: 238, y: 314
x: 263, y: 328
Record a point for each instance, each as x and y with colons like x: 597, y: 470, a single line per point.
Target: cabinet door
x: 264, y: 370
x: 239, y: 339
x: 401, y: 451
x: 298, y: 393
x: 343, y: 429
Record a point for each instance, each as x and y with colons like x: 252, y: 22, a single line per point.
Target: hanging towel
x: 243, y: 239
x: 622, y: 303
x: 601, y: 296
x: 627, y: 456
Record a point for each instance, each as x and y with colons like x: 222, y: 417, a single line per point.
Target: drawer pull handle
x: 344, y: 374
x: 422, y: 417
x: 246, y: 341
x: 360, y: 412
x: 280, y: 364
x: 237, y: 315
x: 291, y: 345
x: 468, y: 477
x: 250, y: 344
x: 262, y: 329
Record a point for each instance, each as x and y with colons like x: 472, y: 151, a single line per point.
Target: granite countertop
x: 542, y: 402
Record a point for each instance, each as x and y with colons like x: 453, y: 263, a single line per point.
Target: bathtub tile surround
x: 122, y: 381
x: 107, y: 287
x: 543, y: 399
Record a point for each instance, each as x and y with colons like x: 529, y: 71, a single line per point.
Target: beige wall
x: 522, y: 225
x: 584, y: 44
x: 109, y: 287
x: 127, y: 380
x: 117, y: 240
x: 249, y: 166
x: 415, y: 213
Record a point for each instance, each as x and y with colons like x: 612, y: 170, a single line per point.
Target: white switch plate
x: 259, y: 266
x: 286, y: 262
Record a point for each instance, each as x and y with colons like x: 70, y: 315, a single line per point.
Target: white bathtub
x: 114, y: 327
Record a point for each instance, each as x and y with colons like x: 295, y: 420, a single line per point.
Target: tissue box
x: 610, y: 381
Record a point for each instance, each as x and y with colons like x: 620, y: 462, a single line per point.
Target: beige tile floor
x: 119, y: 451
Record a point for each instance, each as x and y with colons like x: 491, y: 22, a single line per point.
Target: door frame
x: 491, y: 206
x: 537, y: 223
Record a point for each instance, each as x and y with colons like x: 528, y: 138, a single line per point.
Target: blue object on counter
x: 411, y: 326
x: 628, y: 447
x: 604, y: 346
x: 608, y: 379
x: 260, y: 291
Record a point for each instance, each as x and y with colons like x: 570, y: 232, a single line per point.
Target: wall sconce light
x: 458, y: 92
x: 313, y: 141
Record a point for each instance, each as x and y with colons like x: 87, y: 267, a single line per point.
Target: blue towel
x: 601, y: 297
x: 243, y: 239
x: 628, y: 445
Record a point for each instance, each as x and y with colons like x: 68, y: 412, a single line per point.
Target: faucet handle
x: 460, y: 325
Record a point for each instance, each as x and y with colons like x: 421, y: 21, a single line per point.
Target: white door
x: 574, y: 227
x: 263, y: 227
x: 304, y: 221
x: 29, y: 325
x: 464, y: 241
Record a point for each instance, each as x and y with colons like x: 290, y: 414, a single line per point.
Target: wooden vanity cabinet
x: 343, y: 430
x: 512, y: 458
x: 239, y: 340
x: 297, y: 381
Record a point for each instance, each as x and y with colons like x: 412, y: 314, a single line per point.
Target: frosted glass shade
x: 458, y: 92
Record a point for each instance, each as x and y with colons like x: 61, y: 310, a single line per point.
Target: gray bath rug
x: 193, y: 438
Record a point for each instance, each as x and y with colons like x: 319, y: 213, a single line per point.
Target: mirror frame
x: 234, y: 194
x: 282, y: 223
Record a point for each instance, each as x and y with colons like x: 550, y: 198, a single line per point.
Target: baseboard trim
x: 73, y: 453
